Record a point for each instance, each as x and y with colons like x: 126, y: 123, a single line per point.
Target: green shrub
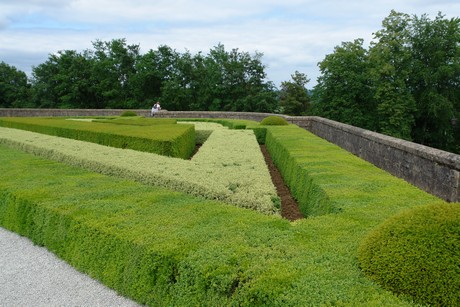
x: 128, y: 113
x: 216, y: 172
x: 138, y: 121
x: 260, y: 133
x: 274, y: 121
x: 165, y: 139
x: 417, y: 253
x: 165, y: 248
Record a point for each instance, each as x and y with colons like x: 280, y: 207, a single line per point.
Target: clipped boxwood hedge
x: 274, y: 121
x: 165, y: 248
x: 128, y: 113
x: 161, y: 247
x: 169, y: 140
x: 417, y: 253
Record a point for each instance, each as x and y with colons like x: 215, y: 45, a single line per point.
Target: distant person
x: 156, y: 107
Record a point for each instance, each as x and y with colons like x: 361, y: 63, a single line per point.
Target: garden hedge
x: 274, y: 121
x: 165, y: 139
x: 161, y: 247
x: 417, y: 253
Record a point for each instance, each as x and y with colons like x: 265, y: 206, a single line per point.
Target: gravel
x: 32, y: 276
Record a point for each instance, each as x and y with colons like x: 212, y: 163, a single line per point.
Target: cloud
x: 292, y: 35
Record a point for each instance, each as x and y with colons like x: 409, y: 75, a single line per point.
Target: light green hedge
x: 229, y: 166
x: 417, y: 253
x: 169, y: 140
x: 259, y: 131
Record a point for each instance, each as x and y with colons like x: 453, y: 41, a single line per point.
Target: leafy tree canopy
x: 405, y: 84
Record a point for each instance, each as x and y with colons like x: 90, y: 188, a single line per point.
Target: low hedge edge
x: 311, y: 198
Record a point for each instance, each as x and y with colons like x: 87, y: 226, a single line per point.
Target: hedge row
x: 164, y: 248
x: 169, y: 139
x: 228, y: 167
x: 300, y: 157
x: 160, y: 247
x: 416, y: 253
x: 259, y: 131
x: 321, y: 175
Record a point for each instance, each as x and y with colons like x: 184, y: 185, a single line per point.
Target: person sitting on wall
x: 156, y: 107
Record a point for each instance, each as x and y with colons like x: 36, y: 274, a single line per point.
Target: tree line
x: 406, y: 83
x: 116, y: 75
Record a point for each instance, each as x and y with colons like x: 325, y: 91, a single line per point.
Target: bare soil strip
x: 289, y: 207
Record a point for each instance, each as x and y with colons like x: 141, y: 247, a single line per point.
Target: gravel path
x: 32, y: 276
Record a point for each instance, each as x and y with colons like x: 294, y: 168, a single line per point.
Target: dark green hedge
x: 169, y: 140
x: 417, y: 253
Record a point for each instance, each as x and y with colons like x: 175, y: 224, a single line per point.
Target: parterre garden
x: 122, y: 200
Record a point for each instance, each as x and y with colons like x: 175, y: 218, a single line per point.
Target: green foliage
x: 115, y: 75
x: 390, y: 59
x: 14, y: 88
x: 274, y: 121
x: 228, y: 167
x: 128, y: 113
x: 436, y: 62
x: 417, y: 253
x: 402, y: 85
x: 169, y: 140
x: 294, y: 98
x: 161, y: 247
x: 343, y: 90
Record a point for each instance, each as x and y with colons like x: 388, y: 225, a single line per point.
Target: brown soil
x: 289, y: 208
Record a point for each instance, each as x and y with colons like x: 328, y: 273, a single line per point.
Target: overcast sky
x: 292, y: 34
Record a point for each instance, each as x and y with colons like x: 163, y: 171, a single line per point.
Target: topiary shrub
x: 128, y: 113
x: 417, y: 253
x: 274, y: 121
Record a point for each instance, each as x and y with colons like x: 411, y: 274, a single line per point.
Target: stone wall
x: 433, y: 170
x: 430, y: 169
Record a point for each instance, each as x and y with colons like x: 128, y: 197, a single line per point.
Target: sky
x: 292, y: 35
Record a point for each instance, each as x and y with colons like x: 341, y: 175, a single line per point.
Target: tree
x: 435, y: 81
x: 64, y: 81
x: 344, y: 89
x: 113, y: 69
x: 390, y: 58
x: 220, y: 81
x: 177, y: 91
x: 115, y: 75
x: 294, y: 96
x: 14, y: 87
